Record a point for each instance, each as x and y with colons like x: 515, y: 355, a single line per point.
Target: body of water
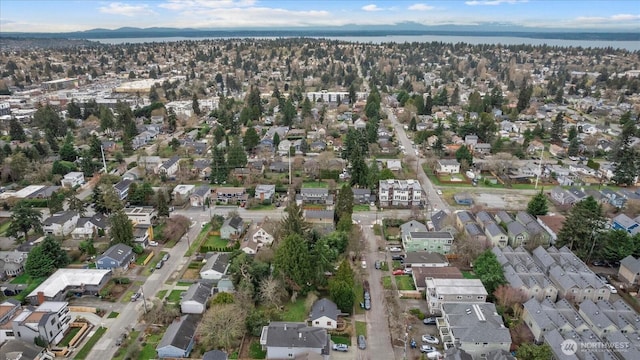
x: 475, y: 40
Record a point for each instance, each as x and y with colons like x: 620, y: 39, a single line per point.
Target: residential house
x: 518, y: 234
x: 141, y: 215
x: 142, y: 234
x: 535, y: 231
x: 279, y: 167
x: 552, y: 224
x: 314, y: 196
x: 72, y: 179
x: 605, y: 318
x: 284, y: 147
x: 170, y: 167
x: 77, y: 281
x: 122, y: 188
x: 49, y: 322
x: 324, y: 314
x: 448, y: 166
x: 265, y: 192
x: 442, y: 221
x: 202, y: 168
x: 630, y: 270
x: 215, y: 266
x: 230, y: 195
x: 215, y: 355
x: 416, y: 259
x: 400, y: 193
x: 179, y: 338
x: 476, y: 328
x: 232, y: 228
x: 463, y: 218
x: 555, y: 340
x: 321, y: 220
x: 613, y: 197
x: 61, y: 223
x: 482, y: 149
x: 200, y: 196
x: 151, y: 163
x: 495, y: 235
x: 624, y: 222
x: 394, y: 165
x: 194, y: 300
x: 544, y: 316
x: 287, y: 340
x: 116, y: 258
x: 86, y: 227
x: 521, y: 272
x: 363, y: 197
x: 442, y: 291
x: 181, y: 193
x: 26, y: 350
x: 12, y: 263
x: 432, y: 241
x: 421, y: 274
x: 410, y: 226
x: 503, y: 217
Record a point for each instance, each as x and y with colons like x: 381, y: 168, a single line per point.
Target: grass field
x: 359, y: 291
x: 361, y: 328
x: 86, y: 349
x: 295, y: 311
x: 4, y: 227
x: 341, y: 339
x: 216, y: 242
x: 469, y: 275
x: 262, y: 207
x: 142, y: 257
x: 30, y: 282
x: 113, y: 315
x: 361, y: 208
x: 69, y: 336
x: 130, y: 342
x: 256, y: 352
x: 386, y: 282
x: 184, y: 283
x: 195, y: 245
x: 405, y: 282
x: 161, y: 294
x: 315, y: 184
x: 174, y: 296
x: 149, y: 349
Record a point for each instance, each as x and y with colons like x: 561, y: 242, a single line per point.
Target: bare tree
x: 271, y: 291
x: 223, y: 326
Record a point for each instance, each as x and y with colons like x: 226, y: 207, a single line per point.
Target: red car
x: 398, y: 272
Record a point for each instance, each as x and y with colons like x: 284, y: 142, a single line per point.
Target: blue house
x: 117, y: 257
x: 623, y: 222
x: 614, y: 198
x: 179, y: 338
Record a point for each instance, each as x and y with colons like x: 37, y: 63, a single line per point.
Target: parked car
x: 439, y: 192
x: 395, y: 249
x: 408, y: 271
x: 398, y: 257
x: 153, y: 243
x: 159, y: 264
x: 341, y: 347
x: 378, y: 264
x: 434, y: 355
x: 135, y: 296
x: 398, y: 272
x: 612, y: 289
x: 599, y: 263
x: 364, y: 264
x: 613, y: 264
x: 362, y: 342
x: 427, y: 349
x: 429, y: 339
x: 429, y: 321
x: 166, y: 257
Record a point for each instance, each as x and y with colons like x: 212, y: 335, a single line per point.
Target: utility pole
x: 104, y: 163
x: 539, y: 167
x: 144, y: 301
x: 289, y: 166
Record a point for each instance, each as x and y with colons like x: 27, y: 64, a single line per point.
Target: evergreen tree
x: 341, y: 287
x: 68, y: 151
x: 106, y: 118
x: 463, y: 154
x: 455, y: 97
x: 16, y: 132
x: 195, y: 105
x: 294, y: 222
x: 219, y: 169
x: 538, y: 205
x: 489, y: 270
x: 251, y: 139
x: 73, y: 110
x: 161, y: 204
x: 557, y: 128
x: 344, y: 203
x: 582, y: 227
x: 524, y: 97
x: 121, y: 231
x: 236, y: 156
x: 293, y: 260
x: 24, y: 218
x: 574, y: 147
x: 288, y: 113
x: 428, y: 105
x: 172, y: 120
x: 373, y: 175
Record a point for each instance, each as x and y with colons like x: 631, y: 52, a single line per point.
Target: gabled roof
x: 169, y: 163
x: 59, y: 218
x: 180, y: 333
x: 202, y: 191
x: 412, y: 225
x: 217, y: 262
x: 296, y: 335
x: 632, y: 264
x: 197, y: 292
x: 324, y: 307
x: 234, y: 222
x: 438, y: 220
x: 123, y: 185
x: 118, y: 252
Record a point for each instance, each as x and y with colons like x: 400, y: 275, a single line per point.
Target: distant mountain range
x: 407, y: 28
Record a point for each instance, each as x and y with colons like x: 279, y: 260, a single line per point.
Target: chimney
x: 299, y: 335
x: 40, y: 297
x: 285, y: 326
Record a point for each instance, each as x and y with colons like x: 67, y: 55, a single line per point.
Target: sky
x: 62, y: 16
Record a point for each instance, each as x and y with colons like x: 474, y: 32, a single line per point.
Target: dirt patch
x: 191, y: 274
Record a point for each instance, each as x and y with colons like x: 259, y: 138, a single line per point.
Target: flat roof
x: 63, y: 278
x: 457, y: 286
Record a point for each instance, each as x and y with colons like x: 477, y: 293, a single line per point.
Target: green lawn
x: 127, y: 296
x: 84, y: 352
x: 361, y: 208
x: 161, y: 294
x: 386, y: 282
x: 184, y: 283
x: 4, y: 227
x: 295, y: 311
x: 359, y: 291
x: 341, y: 339
x: 361, y: 328
x: 405, y: 282
x: 262, y: 207
x: 469, y: 275
x: 69, y: 336
x: 31, y: 285
x: 174, y: 296
x: 142, y: 257
x: 315, y: 184
x: 21, y: 279
x: 149, y: 349
x: 216, y: 242
x: 384, y: 266
x: 195, y: 245
x: 131, y: 341
x: 256, y: 352
x: 113, y: 315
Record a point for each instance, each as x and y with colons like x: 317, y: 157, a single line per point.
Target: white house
x: 142, y: 215
x: 61, y: 223
x: 265, y: 192
x: 181, y: 193
x: 449, y: 166
x: 72, y: 179
x: 288, y: 340
x: 194, y: 301
x: 324, y: 314
x: 215, y: 267
x: 169, y: 167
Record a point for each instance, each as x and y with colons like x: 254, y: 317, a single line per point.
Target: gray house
x: 314, y: 196
x: 122, y: 188
x: 194, y: 301
x: 232, y: 228
x: 12, y: 263
x: 286, y: 340
x: 324, y: 314
x: 117, y: 257
x: 215, y: 267
x: 179, y: 338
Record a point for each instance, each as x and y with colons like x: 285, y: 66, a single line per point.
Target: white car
x: 395, y: 249
x: 427, y: 349
x: 439, y: 192
x: 153, y: 243
x: 429, y: 339
x: 612, y: 289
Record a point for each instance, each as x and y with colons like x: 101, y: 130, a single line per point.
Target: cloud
x: 179, y: 5
x: 420, y: 7
x: 625, y: 17
x: 125, y: 9
x: 371, y: 7
x: 493, y: 2
x: 608, y: 19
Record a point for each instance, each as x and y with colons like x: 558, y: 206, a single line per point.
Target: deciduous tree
x: 121, y: 230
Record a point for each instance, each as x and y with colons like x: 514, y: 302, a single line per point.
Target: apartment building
x: 400, y: 193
